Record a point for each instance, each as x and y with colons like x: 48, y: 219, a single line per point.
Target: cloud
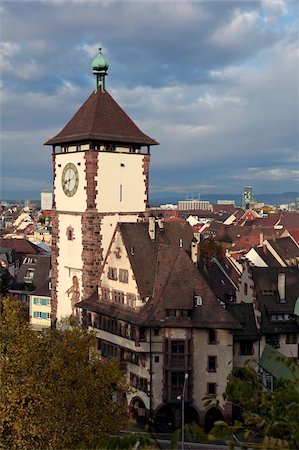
x: 272, y: 175
x: 216, y: 83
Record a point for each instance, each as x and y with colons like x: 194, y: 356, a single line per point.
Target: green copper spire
x: 99, y: 69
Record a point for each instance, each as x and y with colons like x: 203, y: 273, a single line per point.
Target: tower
x: 100, y: 175
x: 247, y: 197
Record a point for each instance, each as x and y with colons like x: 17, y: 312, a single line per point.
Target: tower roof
x: 100, y: 118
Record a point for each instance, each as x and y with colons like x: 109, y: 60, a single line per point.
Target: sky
x: 216, y: 83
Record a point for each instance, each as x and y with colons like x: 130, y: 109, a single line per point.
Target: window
x: 112, y: 273
x: 212, y: 363
x: 157, y: 359
x: 273, y: 340
x: 211, y: 389
x: 156, y: 331
x: 123, y: 275
x: 70, y: 233
x: 178, y: 313
x: 246, y: 348
x: 291, y: 338
x: 138, y: 382
x: 131, y: 300
x: 177, y: 346
x: 29, y: 274
x: 142, y: 336
x: 105, y: 295
x: 170, y: 312
x: 212, y: 336
x: 133, y: 357
x: 107, y: 350
x: 118, y: 297
x: 245, y: 288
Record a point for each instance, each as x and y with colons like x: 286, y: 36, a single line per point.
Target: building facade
x: 129, y: 276
x: 100, y: 162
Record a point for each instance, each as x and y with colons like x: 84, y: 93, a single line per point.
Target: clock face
x: 70, y: 179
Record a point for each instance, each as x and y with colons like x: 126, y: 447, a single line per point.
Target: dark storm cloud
x: 216, y: 83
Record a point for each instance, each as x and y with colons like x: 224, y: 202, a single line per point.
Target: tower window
x: 121, y: 193
x: 212, y: 336
x: 212, y: 363
x: 211, y: 389
x: 70, y: 233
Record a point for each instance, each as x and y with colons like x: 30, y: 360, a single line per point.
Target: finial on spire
x: 99, y: 69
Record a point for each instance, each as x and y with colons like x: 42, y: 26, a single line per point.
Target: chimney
x: 151, y: 227
x: 261, y: 238
x: 141, y: 218
x: 194, y: 251
x: 281, y: 286
x: 161, y: 221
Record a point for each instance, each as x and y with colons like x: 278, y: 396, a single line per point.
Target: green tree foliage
x: 54, y: 393
x: 5, y: 280
x: 271, y: 415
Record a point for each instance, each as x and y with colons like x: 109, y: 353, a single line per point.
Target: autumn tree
x: 209, y: 248
x: 271, y: 415
x: 54, y: 393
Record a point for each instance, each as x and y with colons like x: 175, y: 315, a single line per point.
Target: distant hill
x: 270, y: 199
x: 169, y: 197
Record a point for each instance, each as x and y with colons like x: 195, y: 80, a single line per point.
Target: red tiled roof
x: 21, y: 245
x: 100, y: 118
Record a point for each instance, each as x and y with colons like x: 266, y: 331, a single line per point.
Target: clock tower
x: 100, y: 170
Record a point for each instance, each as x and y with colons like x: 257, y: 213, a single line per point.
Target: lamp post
x: 182, y: 397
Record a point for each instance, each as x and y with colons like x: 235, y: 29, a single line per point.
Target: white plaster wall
x: 122, y: 262
x: 224, y: 352
x: 108, y: 225
x: 111, y: 175
x: 240, y: 360
x: 240, y: 294
x: 289, y: 350
x: 69, y: 261
x: 78, y: 201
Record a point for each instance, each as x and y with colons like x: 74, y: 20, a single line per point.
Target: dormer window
x: 29, y: 275
x: 186, y: 313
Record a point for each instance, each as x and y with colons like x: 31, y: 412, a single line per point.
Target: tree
x: 271, y: 415
x: 209, y: 248
x: 54, y: 393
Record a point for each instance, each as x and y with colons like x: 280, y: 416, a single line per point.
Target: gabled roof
x: 165, y: 273
x: 286, y: 247
x: 40, y: 266
x: 143, y: 258
x: 100, y: 118
x: 266, y: 290
x: 22, y: 246
x: 244, y: 313
x: 266, y: 256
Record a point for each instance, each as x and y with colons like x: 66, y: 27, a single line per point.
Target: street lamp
x: 182, y: 397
